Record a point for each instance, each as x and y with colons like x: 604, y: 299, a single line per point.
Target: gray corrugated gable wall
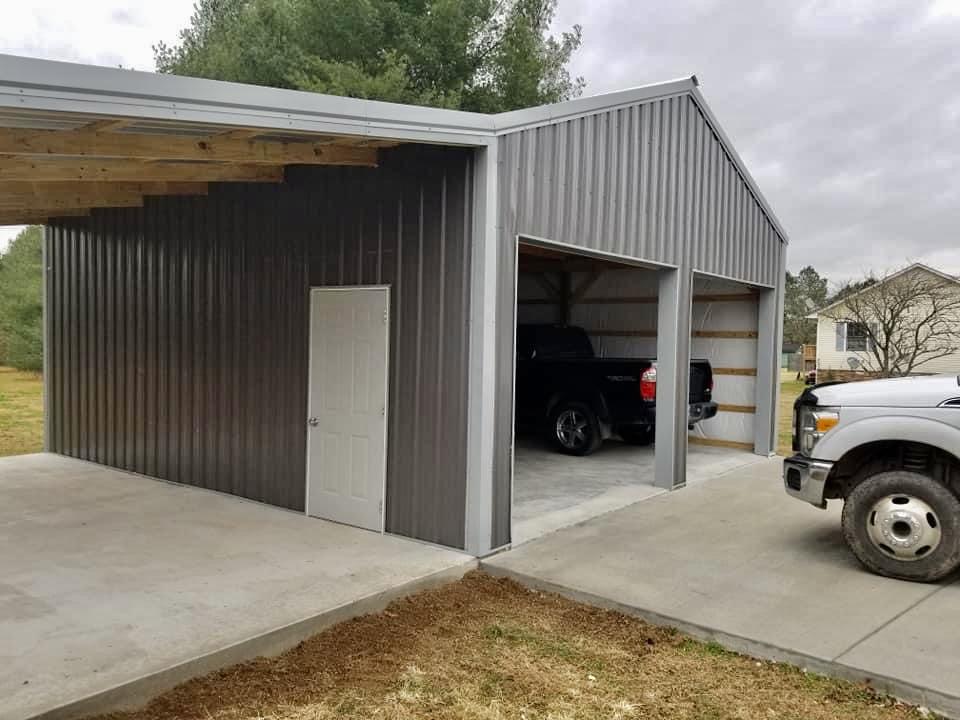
x: 649, y: 181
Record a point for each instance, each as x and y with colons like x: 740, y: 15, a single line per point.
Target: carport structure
x: 196, y: 231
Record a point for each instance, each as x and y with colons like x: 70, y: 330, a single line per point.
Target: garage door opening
x: 725, y: 330
x: 586, y: 385
x: 581, y: 446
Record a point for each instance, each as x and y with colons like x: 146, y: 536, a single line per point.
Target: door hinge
x: 384, y: 317
x: 380, y: 507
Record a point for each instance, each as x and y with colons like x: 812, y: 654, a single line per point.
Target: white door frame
x: 386, y: 392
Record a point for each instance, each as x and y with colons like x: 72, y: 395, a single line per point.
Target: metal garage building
x: 231, y: 268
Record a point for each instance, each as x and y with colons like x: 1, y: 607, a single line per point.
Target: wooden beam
x: 239, y: 134
x: 70, y: 202
x: 96, y: 170
x: 537, y: 301
x: 100, y: 144
x: 602, y: 332
x: 584, y: 287
x: 745, y: 372
x: 90, y: 194
x: 538, y: 265
x: 726, y: 334
x: 650, y: 299
x: 716, y: 442
x: 36, y: 217
x: 737, y: 297
x: 549, y: 288
x: 723, y: 407
x: 106, y: 125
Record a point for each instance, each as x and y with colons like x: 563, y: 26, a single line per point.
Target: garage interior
x: 617, y: 304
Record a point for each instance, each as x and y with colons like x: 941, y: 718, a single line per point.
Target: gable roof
x: 47, y: 94
x: 898, y: 273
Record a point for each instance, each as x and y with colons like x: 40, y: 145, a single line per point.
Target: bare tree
x: 900, y: 320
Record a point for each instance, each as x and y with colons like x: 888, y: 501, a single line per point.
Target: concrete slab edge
x: 941, y: 703
x: 136, y: 693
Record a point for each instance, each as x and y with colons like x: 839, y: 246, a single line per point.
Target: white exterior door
x: 347, y: 424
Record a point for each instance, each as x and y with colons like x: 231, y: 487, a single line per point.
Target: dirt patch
x: 485, y: 648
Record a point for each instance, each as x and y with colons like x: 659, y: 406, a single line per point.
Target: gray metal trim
x: 528, y: 118
x: 527, y: 239
x: 29, y: 83
x: 674, y: 311
x: 769, y: 343
x: 482, y: 389
x: 47, y: 335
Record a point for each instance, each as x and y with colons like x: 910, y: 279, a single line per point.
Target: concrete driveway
x: 734, y: 559
x: 114, y: 587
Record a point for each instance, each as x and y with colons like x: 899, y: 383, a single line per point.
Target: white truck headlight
x: 815, y: 422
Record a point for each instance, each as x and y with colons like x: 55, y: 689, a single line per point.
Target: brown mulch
x: 488, y: 648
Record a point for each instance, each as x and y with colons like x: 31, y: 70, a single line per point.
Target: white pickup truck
x: 890, y: 449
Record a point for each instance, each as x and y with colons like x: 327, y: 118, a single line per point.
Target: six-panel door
x: 347, y: 423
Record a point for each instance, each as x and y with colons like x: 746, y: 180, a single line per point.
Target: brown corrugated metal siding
x: 178, y: 332
x: 650, y: 181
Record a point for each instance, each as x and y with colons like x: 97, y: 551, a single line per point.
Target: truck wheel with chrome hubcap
x: 904, y: 525
x: 574, y: 428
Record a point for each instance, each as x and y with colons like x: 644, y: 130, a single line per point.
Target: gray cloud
x: 846, y: 113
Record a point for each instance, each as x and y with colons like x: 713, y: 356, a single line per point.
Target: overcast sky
x: 847, y: 113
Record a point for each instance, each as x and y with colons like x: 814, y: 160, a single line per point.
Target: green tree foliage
x: 804, y: 293
x: 21, y: 301
x: 480, y: 55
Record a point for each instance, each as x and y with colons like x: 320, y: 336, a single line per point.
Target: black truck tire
x: 574, y: 428
x: 903, y: 525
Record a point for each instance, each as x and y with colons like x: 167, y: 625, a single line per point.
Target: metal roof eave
x: 31, y: 84
x: 35, y: 85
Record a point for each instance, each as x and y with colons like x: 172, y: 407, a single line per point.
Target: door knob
x: 313, y: 422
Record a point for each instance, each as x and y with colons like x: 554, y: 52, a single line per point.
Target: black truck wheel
x: 903, y: 525
x: 574, y: 428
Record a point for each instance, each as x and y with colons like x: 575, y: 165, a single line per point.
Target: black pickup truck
x: 579, y: 400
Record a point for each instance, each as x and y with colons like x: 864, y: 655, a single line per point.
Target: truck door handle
x: 313, y: 422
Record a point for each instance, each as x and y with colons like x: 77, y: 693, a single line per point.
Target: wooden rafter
x: 115, y: 170
x: 11, y: 191
x: 30, y: 198
x: 11, y: 204
x: 221, y: 148
x: 107, y: 125
x: 36, y: 217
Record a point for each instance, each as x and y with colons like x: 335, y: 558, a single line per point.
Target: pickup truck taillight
x: 648, y: 384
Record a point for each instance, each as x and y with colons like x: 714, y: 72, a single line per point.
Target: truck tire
x: 637, y: 436
x: 903, y: 525
x: 574, y: 428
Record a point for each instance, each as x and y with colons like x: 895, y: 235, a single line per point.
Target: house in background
x: 843, y: 346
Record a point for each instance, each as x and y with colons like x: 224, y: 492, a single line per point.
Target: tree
x: 480, y: 55
x: 21, y: 301
x: 803, y: 294
x: 905, y: 318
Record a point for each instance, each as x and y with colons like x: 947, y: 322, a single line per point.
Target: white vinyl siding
x: 833, y: 350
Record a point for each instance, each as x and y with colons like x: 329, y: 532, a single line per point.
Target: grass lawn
x: 790, y: 389
x: 21, y: 412
x: 484, y: 648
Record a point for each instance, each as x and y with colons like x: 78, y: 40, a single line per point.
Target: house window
x: 852, y: 337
